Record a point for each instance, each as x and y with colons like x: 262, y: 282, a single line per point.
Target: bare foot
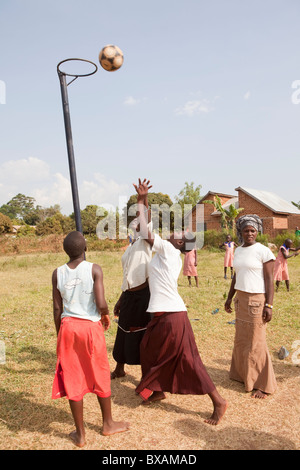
x: 218, y: 413
x: 259, y: 394
x: 79, y: 441
x: 116, y: 375
x: 156, y: 396
x: 114, y: 427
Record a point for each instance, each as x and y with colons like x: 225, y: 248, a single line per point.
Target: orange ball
x: 111, y: 58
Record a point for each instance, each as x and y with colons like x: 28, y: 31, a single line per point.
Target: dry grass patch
x: 29, y: 419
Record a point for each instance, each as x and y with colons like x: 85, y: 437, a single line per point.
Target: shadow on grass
x: 233, y: 438
x: 20, y: 412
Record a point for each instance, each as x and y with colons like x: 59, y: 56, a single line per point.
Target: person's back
x: 82, y: 363
x: 164, y: 271
x: 77, y: 291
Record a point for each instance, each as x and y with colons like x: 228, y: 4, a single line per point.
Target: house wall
x: 210, y: 222
x: 273, y: 223
x: 293, y: 222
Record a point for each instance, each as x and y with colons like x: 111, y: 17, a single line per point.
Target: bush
x: 214, y: 238
x: 5, y: 224
x: 281, y: 237
x: 26, y: 230
x: 263, y: 238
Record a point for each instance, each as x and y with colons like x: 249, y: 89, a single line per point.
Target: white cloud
x: 57, y: 191
x: 33, y: 177
x: 104, y: 192
x: 194, y: 107
x: 131, y: 101
x: 247, y: 95
x: 29, y: 170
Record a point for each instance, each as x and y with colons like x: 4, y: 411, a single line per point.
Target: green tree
x: 90, y: 219
x: 44, y: 212
x: 49, y: 226
x: 217, y: 203
x: 19, y: 207
x: 231, y: 213
x: 154, y: 199
x: 58, y: 223
x: 228, y: 216
x: 189, y: 194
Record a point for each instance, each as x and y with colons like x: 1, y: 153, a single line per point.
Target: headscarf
x: 251, y: 219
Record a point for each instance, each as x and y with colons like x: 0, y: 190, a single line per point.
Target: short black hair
x: 74, y: 244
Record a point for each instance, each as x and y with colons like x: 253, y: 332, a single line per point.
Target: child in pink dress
x: 281, y: 272
x: 229, y: 246
x: 190, y: 266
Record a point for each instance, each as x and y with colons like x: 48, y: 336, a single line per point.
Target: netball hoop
x: 67, y: 121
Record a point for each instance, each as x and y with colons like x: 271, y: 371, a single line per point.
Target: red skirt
x: 82, y: 363
x: 170, y: 358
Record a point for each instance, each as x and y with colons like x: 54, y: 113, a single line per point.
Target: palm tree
x: 232, y: 214
x: 217, y: 203
x: 228, y: 216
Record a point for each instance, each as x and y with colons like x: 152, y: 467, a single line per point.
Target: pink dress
x: 281, y: 272
x: 228, y: 259
x: 189, y: 268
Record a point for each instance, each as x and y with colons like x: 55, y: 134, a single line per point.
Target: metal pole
x: 67, y: 120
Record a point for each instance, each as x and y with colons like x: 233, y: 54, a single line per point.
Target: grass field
x: 30, y: 419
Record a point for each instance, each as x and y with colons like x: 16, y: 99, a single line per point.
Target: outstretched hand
x: 142, y: 189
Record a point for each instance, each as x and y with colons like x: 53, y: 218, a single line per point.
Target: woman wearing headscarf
x: 253, y: 285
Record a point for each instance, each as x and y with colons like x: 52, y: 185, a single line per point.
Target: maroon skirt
x: 170, y: 358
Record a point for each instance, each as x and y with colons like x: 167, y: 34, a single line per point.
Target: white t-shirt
x: 248, y: 265
x: 135, y: 262
x: 164, y: 271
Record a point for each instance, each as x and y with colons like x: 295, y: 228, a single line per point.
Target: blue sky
x: 204, y: 96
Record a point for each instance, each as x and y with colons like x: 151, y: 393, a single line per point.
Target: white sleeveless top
x: 76, y: 287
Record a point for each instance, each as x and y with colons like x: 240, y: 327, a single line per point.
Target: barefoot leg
x: 118, y: 372
x: 109, y: 425
x: 220, y: 407
x: 259, y: 394
x: 156, y: 396
x: 78, y: 436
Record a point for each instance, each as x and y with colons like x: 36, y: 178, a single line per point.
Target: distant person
x: 281, y: 272
x: 297, y: 232
x: 169, y: 355
x: 254, y: 288
x: 81, y: 316
x: 229, y: 246
x: 190, y: 266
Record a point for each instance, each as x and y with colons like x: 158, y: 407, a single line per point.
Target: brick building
x: 277, y: 214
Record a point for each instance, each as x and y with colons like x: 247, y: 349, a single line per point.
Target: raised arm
x: 290, y: 256
x: 142, y: 190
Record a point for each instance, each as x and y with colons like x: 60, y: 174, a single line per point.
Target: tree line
x: 23, y: 211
